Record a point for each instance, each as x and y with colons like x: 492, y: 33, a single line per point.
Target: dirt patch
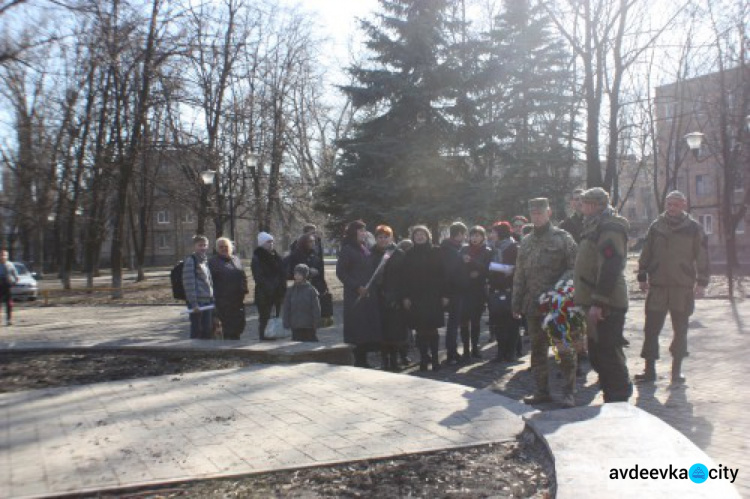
x: 515, y: 469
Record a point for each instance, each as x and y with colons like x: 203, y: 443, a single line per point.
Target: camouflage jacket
x: 545, y: 256
x: 674, y: 255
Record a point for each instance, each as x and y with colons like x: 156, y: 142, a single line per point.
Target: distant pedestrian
x: 301, y: 307
x: 673, y: 269
x: 505, y: 327
x: 230, y: 287
x: 361, y: 314
x: 476, y: 258
x: 8, y: 279
x: 455, y: 284
x: 199, y: 290
x: 573, y: 225
x: 425, y: 294
x: 601, y: 290
x: 270, y: 281
x: 545, y: 256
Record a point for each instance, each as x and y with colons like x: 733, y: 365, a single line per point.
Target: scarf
x: 475, y: 249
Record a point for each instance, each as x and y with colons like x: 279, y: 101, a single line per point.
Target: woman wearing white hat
x: 270, y: 281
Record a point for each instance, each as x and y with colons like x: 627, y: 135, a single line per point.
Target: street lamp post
x: 207, y: 178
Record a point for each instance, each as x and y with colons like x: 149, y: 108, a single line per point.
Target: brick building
x: 695, y: 106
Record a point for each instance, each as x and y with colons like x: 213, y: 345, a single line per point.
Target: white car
x: 26, y: 288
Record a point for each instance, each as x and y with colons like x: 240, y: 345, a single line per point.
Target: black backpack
x: 175, y: 277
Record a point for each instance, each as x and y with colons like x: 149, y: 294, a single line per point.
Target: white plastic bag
x: 275, y: 329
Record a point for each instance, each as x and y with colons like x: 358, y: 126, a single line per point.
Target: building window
x: 739, y: 180
x: 162, y: 241
x: 162, y: 217
x: 707, y: 221
x: 187, y: 218
x: 740, y: 227
x: 702, y: 185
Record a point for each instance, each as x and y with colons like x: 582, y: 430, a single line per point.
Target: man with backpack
x: 199, y: 293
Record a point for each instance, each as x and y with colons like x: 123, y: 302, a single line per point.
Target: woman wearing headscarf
x: 230, y: 288
x: 270, y: 281
x: 361, y: 315
x: 424, y: 294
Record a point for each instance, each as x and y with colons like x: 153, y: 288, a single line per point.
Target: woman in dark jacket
x: 476, y: 257
x: 424, y: 294
x: 361, y: 315
x: 305, y: 250
x: 502, y: 323
x: 230, y: 288
x: 270, y: 281
x: 388, y: 261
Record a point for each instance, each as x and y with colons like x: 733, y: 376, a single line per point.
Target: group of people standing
x: 391, y: 289
x: 215, y: 288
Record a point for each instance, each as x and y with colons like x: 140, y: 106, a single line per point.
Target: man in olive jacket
x: 601, y: 290
x: 545, y: 256
x: 673, y: 269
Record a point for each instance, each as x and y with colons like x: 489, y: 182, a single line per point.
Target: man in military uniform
x: 600, y: 289
x: 574, y: 223
x: 544, y: 257
x: 673, y: 270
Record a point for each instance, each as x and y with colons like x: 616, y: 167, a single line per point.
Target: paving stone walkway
x: 711, y: 409
x: 233, y: 422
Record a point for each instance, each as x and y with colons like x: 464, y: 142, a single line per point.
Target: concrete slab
x: 162, y: 328
x: 234, y: 422
x: 589, y: 444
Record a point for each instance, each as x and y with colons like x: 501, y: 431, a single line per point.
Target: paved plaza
x: 711, y: 409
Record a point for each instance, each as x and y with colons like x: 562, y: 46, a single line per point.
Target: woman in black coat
x: 388, y: 261
x: 425, y: 294
x: 476, y: 258
x: 270, y: 281
x: 361, y: 316
x: 230, y: 288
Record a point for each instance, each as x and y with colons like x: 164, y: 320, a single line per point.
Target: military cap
x: 676, y: 195
x: 538, y: 204
x: 595, y: 195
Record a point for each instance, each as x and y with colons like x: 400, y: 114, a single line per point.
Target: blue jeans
x: 451, y: 330
x: 202, y: 323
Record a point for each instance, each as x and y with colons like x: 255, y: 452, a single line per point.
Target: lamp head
x: 207, y: 177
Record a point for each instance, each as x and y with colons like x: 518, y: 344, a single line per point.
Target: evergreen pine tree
x: 393, y: 167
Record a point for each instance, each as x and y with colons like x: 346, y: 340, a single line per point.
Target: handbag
x: 275, y: 329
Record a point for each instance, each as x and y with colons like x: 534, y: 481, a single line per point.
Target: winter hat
x: 596, y: 195
x: 302, y: 270
x: 263, y: 238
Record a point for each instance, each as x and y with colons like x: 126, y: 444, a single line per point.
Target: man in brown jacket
x: 673, y: 269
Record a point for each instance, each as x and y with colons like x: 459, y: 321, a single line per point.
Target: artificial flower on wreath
x: 563, y: 321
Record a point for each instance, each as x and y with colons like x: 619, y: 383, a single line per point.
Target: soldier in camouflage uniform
x: 601, y: 290
x: 673, y: 269
x: 544, y: 257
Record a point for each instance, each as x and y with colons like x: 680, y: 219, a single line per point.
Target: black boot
x: 677, y: 377
x: 649, y: 374
x: 435, y: 348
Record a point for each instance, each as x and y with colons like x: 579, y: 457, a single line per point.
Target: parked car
x: 26, y: 288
